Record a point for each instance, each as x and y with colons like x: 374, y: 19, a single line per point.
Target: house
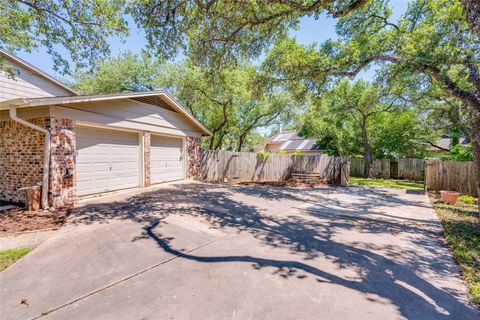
x: 78, y: 145
x: 442, y: 145
x: 290, y: 141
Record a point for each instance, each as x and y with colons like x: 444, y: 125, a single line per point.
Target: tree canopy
x: 432, y: 46
x: 211, y: 31
x: 362, y: 119
x: 231, y: 102
x: 82, y: 27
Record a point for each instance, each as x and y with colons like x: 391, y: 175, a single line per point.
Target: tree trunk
x: 476, y: 159
x: 219, y: 141
x: 472, y: 8
x: 241, y: 141
x: 476, y: 152
x: 367, y: 153
x: 212, y: 139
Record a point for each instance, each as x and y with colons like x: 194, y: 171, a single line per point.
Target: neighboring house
x: 289, y: 142
x: 98, y: 143
x: 442, y: 145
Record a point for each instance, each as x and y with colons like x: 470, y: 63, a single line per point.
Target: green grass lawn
x: 461, y: 225
x: 8, y: 257
x: 403, y: 184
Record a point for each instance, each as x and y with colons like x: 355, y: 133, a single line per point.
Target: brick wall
x: 193, y: 157
x: 21, y: 158
x: 62, y: 162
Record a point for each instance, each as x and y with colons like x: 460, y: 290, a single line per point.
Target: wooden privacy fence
x: 227, y: 166
x: 451, y: 175
x: 409, y: 169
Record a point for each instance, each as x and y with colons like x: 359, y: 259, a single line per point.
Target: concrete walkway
x: 204, y: 251
x: 25, y: 239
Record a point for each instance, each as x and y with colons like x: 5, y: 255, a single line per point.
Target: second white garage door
x: 107, y: 160
x: 166, y: 159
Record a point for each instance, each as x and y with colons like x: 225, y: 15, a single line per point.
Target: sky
x: 309, y: 31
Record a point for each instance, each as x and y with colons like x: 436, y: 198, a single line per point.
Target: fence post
x: 344, y: 172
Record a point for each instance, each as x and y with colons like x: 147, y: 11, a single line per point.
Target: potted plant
x: 449, y: 196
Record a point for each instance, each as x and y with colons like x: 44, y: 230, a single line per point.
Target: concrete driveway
x: 204, y: 251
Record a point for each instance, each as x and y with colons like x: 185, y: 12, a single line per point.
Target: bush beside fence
x: 227, y: 166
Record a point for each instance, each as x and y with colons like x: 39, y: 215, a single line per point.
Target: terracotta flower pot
x: 449, y: 196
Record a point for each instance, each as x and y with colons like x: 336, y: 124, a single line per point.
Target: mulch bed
x: 288, y: 184
x: 19, y: 220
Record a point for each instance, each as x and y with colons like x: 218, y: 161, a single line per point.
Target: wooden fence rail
x: 409, y: 169
x: 227, y: 166
x: 451, y: 175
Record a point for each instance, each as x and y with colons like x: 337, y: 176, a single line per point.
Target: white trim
x: 106, y: 127
x: 37, y: 102
x: 95, y: 118
x: 184, y: 157
x: 141, y: 139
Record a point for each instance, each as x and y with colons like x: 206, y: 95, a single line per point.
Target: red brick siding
x: 21, y: 158
x: 193, y: 157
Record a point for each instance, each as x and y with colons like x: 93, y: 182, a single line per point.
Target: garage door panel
x: 166, y: 159
x: 107, y: 160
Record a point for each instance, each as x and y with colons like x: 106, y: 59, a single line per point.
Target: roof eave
x: 48, y: 101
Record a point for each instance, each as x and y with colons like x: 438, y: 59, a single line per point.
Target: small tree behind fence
x: 227, y: 166
x: 451, y: 175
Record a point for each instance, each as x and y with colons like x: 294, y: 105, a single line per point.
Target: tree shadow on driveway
x: 387, y: 270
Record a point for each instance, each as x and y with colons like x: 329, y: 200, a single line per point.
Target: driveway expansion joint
x: 131, y: 276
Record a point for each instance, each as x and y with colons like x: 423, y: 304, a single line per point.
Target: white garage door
x: 107, y: 160
x: 166, y: 159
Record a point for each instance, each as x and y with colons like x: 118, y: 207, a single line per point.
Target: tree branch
x: 437, y: 146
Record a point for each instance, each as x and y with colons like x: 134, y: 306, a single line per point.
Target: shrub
x: 468, y: 199
x: 297, y: 153
x: 263, y: 155
x: 459, y: 153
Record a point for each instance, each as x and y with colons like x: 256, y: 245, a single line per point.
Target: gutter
x: 46, y: 152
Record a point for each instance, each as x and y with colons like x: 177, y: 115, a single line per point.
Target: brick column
x: 146, y: 159
x: 193, y: 157
x: 62, y: 162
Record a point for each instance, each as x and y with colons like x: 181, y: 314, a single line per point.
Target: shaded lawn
x: 8, y: 257
x: 461, y: 225
x: 402, y: 184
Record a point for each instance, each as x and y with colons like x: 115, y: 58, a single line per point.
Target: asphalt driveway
x: 205, y: 251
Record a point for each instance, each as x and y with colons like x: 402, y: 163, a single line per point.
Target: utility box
x: 33, y: 197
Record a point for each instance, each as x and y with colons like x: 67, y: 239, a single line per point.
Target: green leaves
x: 128, y: 72
x: 459, y: 153
x: 359, y: 115
x: 232, y: 102
x: 82, y: 27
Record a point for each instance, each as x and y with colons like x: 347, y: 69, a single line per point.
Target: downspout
x: 46, y: 152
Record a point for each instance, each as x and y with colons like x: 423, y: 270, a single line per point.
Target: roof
x: 283, y: 136
x: 445, y: 142
x: 290, y: 140
x: 49, y: 101
x: 35, y: 70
